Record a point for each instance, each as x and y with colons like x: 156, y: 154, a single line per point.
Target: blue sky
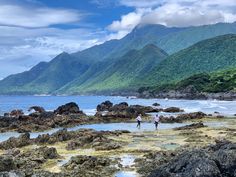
x: 37, y: 30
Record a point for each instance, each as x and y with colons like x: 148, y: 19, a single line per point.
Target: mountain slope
x: 206, y: 56
x: 215, y: 82
x: 175, y: 42
x: 83, y: 66
x: 44, y: 77
x: 119, y: 74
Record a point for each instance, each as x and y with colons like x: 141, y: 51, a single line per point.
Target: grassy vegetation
x: 206, y: 56
x: 220, y: 81
x: 122, y: 72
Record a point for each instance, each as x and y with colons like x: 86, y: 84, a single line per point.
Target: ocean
x: 88, y: 103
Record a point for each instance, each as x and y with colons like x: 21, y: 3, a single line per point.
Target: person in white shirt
x: 156, y: 120
x: 139, y: 119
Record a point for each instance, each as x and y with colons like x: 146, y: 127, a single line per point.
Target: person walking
x: 139, y: 119
x: 156, y: 120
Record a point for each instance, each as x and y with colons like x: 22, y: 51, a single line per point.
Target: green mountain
x: 85, y: 69
x: 120, y: 73
x: 175, y: 42
x: 206, y: 56
x: 218, y: 81
x: 44, y: 77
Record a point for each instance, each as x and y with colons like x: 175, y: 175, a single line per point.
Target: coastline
x: 111, y: 149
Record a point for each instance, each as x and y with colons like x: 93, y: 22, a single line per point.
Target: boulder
x: 104, y: 106
x: 86, y: 162
x: 156, y: 104
x: 69, y: 108
x: 119, y: 107
x: 173, y: 110
x: 89, y: 166
x: 123, y: 110
x: 13, y: 142
x: 94, y: 139
x: 189, y: 116
x: 37, y: 109
x: 46, y: 152
x: 16, y: 113
x: 34, y: 159
x: 191, y: 126
x: 216, y: 161
x: 59, y: 136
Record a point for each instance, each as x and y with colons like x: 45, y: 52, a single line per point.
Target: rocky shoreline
x: 195, y: 148
x: 173, y: 94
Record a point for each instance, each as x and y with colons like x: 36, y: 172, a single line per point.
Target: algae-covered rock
x: 216, y: 161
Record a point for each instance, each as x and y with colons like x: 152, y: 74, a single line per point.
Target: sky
x: 37, y: 30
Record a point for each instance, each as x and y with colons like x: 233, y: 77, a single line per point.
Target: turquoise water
x: 88, y: 103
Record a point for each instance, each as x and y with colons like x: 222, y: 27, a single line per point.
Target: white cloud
x: 178, y: 13
x: 127, y: 23
x: 27, y: 36
x: 27, y: 47
x: 24, y: 16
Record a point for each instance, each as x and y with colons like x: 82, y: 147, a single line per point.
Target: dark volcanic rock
x: 172, y: 110
x: 22, y: 140
x: 105, y: 106
x: 182, y: 117
x: 81, y: 138
x: 156, y: 104
x: 16, y: 113
x: 59, y: 136
x: 6, y: 163
x: 152, y: 161
x: 123, y: 110
x: 37, y: 109
x: 119, y: 107
x: 69, y: 108
x: 87, y: 162
x: 214, y: 161
x: 189, y: 116
x: 44, y: 121
x: 89, y: 166
x: 94, y: 139
x: 191, y: 126
x: 35, y: 158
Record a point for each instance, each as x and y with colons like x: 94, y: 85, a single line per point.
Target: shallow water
x: 88, y: 103
x: 127, y: 161
x: 145, y: 126
x: 99, y: 127
x: 126, y: 174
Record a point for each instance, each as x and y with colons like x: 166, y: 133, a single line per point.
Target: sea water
x: 88, y: 103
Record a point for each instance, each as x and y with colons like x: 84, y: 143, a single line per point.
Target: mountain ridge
x: 46, y: 78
